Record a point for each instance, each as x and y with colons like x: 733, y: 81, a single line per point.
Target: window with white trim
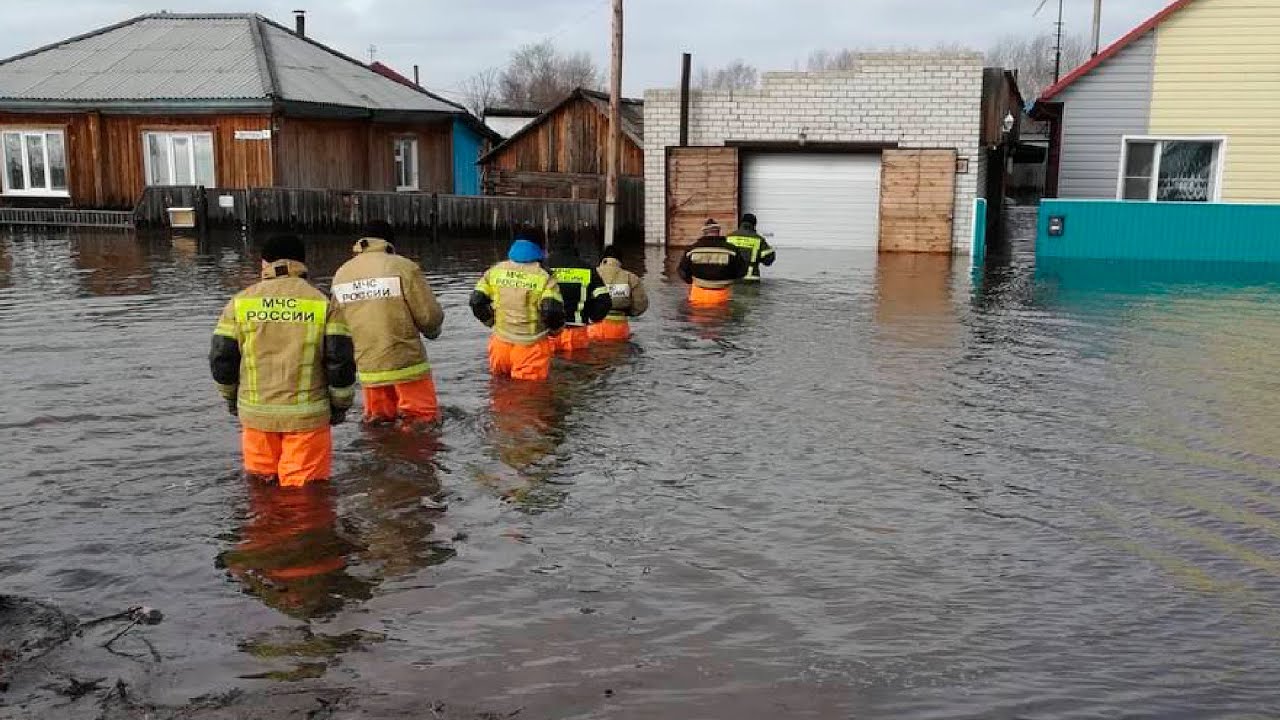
x: 178, y: 158
x: 406, y: 150
x: 35, y: 162
x: 1171, y: 169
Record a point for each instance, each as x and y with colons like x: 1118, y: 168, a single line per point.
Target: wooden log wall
x: 344, y: 154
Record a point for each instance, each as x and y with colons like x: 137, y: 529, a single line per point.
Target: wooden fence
x: 576, y: 186
x: 341, y: 210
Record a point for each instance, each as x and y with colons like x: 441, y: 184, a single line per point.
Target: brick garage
x: 890, y: 104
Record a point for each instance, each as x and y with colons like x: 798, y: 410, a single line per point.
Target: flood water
x: 884, y: 487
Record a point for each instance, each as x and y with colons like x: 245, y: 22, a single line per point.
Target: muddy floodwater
x: 891, y: 487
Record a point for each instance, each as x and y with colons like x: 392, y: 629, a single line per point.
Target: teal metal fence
x: 1116, y: 230
x: 979, y: 252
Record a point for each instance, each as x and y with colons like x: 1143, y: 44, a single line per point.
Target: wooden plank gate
x: 702, y: 183
x: 917, y: 200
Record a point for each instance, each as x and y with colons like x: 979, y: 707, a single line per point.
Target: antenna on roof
x: 373, y: 52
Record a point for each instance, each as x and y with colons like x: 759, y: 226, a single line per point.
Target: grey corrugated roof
x: 191, y: 58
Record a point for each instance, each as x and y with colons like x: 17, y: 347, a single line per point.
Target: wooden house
x: 219, y: 100
x: 562, y: 153
x: 1170, y: 130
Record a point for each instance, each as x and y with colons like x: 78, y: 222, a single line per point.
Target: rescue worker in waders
x: 627, y: 299
x: 284, y: 362
x: 586, y: 298
x: 711, y: 266
x: 388, y: 304
x: 755, y: 249
x: 521, y: 302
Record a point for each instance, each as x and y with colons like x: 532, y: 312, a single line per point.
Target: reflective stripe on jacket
x: 626, y: 290
x: 387, y: 303
x: 518, y: 292
x: 712, y: 263
x: 282, y: 350
x: 755, y: 250
x: 584, y: 293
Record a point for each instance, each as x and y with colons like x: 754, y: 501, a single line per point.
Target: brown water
x: 877, y: 488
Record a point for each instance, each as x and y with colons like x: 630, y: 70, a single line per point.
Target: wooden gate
x: 917, y: 200
x: 702, y: 183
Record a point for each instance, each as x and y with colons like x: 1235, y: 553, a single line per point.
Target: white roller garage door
x: 814, y: 199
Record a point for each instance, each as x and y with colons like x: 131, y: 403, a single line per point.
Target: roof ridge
x: 262, y: 53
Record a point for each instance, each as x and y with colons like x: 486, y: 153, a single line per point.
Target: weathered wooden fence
x: 341, y: 210
x: 576, y: 186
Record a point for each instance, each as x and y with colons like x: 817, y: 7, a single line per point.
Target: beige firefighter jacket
x: 386, y: 302
x: 625, y: 287
x: 283, y: 353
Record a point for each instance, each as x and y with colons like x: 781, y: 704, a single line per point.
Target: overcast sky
x: 453, y: 39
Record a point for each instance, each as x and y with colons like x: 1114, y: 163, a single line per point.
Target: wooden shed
x: 220, y: 100
x: 562, y: 153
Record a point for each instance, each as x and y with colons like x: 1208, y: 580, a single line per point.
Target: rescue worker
x: 284, y: 362
x: 627, y: 299
x: 755, y: 249
x: 387, y: 304
x: 521, y: 302
x: 711, y: 266
x: 586, y: 298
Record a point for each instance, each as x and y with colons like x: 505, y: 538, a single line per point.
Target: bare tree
x: 480, y: 90
x: 539, y: 76
x: 828, y: 61
x: 1033, y: 58
x: 737, y: 75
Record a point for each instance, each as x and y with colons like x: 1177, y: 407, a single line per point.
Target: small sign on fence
x: 253, y: 134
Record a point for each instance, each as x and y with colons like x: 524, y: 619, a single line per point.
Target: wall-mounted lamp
x: 1008, y: 123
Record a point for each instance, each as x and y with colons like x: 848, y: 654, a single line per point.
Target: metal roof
x: 195, y: 58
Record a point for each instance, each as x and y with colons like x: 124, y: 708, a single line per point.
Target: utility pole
x: 1097, y: 27
x: 1057, y: 50
x: 615, y: 129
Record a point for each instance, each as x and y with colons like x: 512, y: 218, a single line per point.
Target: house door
x: 917, y: 200
x: 702, y: 184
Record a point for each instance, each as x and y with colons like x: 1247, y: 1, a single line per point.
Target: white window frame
x: 396, y: 158
x: 1219, y: 161
x: 28, y: 191
x: 168, y: 136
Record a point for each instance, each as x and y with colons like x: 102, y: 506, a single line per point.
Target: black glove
x: 232, y: 407
x: 337, y: 415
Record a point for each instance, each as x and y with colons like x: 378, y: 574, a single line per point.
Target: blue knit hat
x: 524, y: 251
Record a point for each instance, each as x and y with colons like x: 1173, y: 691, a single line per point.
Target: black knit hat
x: 380, y: 229
x: 284, y: 247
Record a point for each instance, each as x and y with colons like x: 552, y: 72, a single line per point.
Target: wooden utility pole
x: 615, y: 129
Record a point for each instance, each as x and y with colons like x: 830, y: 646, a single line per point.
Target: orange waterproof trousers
x: 521, y: 362
x: 611, y: 330
x: 296, y: 458
x: 572, y: 339
x: 709, y: 297
x: 414, y: 401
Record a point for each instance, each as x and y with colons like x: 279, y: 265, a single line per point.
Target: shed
x: 562, y: 153
x: 220, y: 100
x: 890, y: 155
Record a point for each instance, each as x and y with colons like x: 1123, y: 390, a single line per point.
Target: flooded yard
x: 878, y: 487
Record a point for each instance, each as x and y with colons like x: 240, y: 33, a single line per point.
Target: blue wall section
x: 1110, y: 229
x: 467, y: 145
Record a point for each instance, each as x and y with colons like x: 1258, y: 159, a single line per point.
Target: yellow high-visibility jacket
x: 387, y: 303
x: 520, y: 301
x: 282, y: 351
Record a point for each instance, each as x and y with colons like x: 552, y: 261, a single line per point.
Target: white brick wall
x: 929, y: 100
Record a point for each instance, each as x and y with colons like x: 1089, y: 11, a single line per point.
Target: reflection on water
x: 880, y: 487
x: 291, y: 554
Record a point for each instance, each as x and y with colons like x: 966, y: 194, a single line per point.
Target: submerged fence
x: 308, y: 210
x: 66, y: 217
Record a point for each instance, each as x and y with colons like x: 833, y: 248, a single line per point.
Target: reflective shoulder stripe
x: 225, y: 330
x: 603, y: 290
x: 257, y: 310
x: 388, y: 376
